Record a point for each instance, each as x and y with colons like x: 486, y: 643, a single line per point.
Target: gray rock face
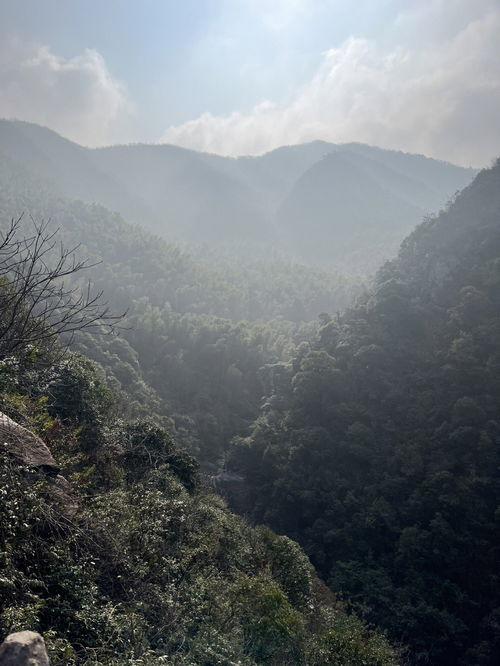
x: 26, y: 446
x: 30, y: 450
x: 25, y: 648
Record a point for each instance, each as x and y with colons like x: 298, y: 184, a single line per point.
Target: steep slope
x: 435, y: 176
x: 353, y: 207
x: 347, y: 210
x: 113, y: 550
x: 184, y: 354
x: 378, y: 445
x: 66, y: 166
x: 192, y: 201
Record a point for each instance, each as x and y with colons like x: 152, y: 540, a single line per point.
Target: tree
x: 41, y: 298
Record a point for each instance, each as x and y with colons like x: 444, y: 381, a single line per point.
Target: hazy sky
x: 244, y: 76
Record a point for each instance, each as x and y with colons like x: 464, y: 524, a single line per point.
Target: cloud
x: 77, y: 97
x: 442, y: 99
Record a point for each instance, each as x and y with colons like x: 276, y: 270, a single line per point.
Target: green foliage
x: 135, y: 562
x: 273, y: 631
x: 373, y: 444
x: 378, y: 446
x: 181, y: 357
x: 347, y: 642
x: 146, y: 447
x: 290, y: 567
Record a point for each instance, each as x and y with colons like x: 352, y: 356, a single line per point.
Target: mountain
x: 371, y: 438
x: 65, y: 165
x: 112, y: 544
x: 196, y: 332
x: 113, y: 548
x: 377, y: 446
x: 257, y: 203
x: 352, y: 208
x: 192, y: 201
x: 348, y: 210
x: 273, y: 174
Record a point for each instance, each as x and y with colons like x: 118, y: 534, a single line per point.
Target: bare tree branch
x: 36, y: 305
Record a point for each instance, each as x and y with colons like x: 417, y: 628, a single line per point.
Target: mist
x: 249, y: 324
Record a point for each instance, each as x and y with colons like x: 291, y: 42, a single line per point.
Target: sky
x: 241, y: 77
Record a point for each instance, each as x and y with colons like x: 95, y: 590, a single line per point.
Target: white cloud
x: 77, y: 97
x: 442, y: 99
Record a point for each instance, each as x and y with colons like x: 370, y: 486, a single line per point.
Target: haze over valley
x: 293, y: 201
x: 249, y: 333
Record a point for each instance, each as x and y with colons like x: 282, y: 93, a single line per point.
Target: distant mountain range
x: 345, y: 206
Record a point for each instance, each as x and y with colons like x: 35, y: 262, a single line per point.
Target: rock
x: 30, y: 450
x: 25, y: 648
x: 26, y: 446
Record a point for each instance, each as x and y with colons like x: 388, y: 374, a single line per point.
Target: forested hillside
x: 360, y: 199
x: 183, y: 354
x: 109, y: 545
x: 349, y: 209
x: 249, y: 333
x: 377, y: 448
x: 361, y: 423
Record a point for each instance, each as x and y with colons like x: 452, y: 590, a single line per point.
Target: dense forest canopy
x: 110, y: 544
x: 188, y: 322
x: 114, y: 551
x: 358, y: 418
x: 378, y: 446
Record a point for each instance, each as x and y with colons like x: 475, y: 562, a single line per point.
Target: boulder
x: 30, y: 450
x: 25, y: 648
x: 26, y: 446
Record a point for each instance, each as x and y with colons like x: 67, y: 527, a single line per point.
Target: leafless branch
x: 37, y: 305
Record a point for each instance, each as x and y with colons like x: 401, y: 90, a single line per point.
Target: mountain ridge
x: 194, y: 198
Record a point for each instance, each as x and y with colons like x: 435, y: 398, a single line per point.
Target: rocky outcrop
x: 30, y: 450
x: 25, y: 648
x: 26, y: 446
